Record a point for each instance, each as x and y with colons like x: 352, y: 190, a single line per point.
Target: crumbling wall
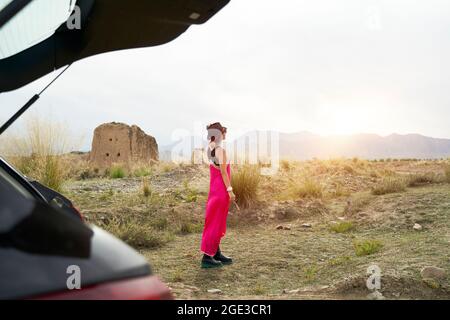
x: 120, y: 143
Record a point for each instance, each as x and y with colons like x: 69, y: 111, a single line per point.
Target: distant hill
x: 305, y: 145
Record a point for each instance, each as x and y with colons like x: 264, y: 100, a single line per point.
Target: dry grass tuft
x: 357, y: 203
x: 389, y: 185
x: 342, y: 227
x: 38, y: 151
x: 146, y: 190
x: 245, y: 182
x: 309, y: 189
x: 285, y: 165
x: 367, y: 247
x: 136, y: 234
x: 420, y: 179
x: 117, y: 172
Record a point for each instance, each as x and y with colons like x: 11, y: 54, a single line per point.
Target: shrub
x: 339, y: 261
x: 419, y: 179
x: 367, y: 247
x: 188, y: 193
x: 117, y: 172
x: 137, y: 234
x: 447, y: 173
x: 374, y: 174
x: 38, y: 151
x: 349, y: 169
x: 188, y: 227
x: 142, y: 172
x: 191, y: 195
x: 340, y: 191
x: 146, y: 190
x: 389, y: 185
x: 86, y: 173
x: 357, y: 203
x: 342, y: 227
x: 285, y: 165
x: 309, y: 189
x: 259, y: 289
x: 160, y: 223
x: 166, y: 167
x: 310, y: 273
x: 245, y: 182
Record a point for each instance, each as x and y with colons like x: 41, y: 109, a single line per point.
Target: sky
x: 325, y: 66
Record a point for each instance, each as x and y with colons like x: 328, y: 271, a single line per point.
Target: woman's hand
x: 232, y: 196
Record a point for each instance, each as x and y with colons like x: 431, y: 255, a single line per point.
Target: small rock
x: 434, y: 273
x: 417, y: 227
x: 341, y: 218
x: 432, y: 283
x: 307, y: 225
x: 295, y: 291
x: 376, y: 295
x: 215, y: 291
x: 192, y: 288
x: 281, y: 227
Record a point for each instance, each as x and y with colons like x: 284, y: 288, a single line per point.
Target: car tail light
x: 145, y: 288
x: 78, y: 212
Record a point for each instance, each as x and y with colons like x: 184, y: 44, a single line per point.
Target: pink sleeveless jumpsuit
x: 216, y: 212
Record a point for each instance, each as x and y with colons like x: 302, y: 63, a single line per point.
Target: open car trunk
x: 106, y: 25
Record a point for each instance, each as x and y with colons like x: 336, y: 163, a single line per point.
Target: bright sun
x: 350, y: 117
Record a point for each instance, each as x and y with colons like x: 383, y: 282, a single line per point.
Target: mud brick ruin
x: 120, y: 143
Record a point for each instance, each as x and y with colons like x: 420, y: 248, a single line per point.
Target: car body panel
x: 35, y: 259
x: 38, y: 243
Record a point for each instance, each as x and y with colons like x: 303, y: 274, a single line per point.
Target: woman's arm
x: 223, y: 170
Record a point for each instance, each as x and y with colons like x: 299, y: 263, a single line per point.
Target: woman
x: 219, y: 198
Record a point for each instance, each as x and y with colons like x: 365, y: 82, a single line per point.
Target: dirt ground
x: 285, y: 246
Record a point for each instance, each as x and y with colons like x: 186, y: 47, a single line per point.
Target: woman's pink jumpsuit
x: 216, y: 212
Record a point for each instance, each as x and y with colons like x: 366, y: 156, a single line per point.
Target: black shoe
x: 220, y: 257
x: 210, y: 262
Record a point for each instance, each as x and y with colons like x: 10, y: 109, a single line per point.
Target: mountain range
x: 306, y: 145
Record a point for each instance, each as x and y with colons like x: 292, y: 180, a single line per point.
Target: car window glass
x: 35, y: 23
x: 7, y: 179
x: 4, y: 3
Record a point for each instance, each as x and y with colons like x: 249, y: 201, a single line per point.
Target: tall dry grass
x: 420, y: 179
x: 245, y: 182
x: 390, y: 185
x: 309, y: 189
x: 38, y: 151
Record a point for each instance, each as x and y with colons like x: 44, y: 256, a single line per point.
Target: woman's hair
x: 215, y: 130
